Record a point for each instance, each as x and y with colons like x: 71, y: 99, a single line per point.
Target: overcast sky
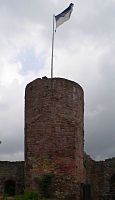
x: 84, y: 52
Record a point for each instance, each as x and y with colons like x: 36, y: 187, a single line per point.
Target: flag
x: 64, y: 16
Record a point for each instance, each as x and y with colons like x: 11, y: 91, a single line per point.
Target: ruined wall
x: 54, y: 135
x: 12, y: 171
x: 105, y: 172
x: 100, y: 175
x: 54, y: 144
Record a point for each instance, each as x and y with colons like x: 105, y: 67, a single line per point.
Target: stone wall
x: 12, y: 171
x: 54, y: 145
x: 101, y: 177
x: 54, y: 135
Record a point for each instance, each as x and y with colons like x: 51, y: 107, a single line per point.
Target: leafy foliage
x: 30, y: 195
x: 4, y: 197
x: 44, y: 184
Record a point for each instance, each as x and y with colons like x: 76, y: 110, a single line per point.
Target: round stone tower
x: 54, y: 135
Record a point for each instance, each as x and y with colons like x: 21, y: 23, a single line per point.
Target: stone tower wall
x: 100, y: 175
x: 13, y: 171
x: 54, y: 135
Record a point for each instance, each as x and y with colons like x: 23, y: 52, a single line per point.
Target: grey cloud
x: 37, y: 11
x: 100, y: 129
x: 97, y: 18
x: 11, y: 119
x: 91, y: 26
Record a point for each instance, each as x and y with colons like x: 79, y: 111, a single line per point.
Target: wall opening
x: 10, y: 188
x: 112, y: 184
x: 85, y: 191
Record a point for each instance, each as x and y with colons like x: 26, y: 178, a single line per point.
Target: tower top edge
x: 57, y: 79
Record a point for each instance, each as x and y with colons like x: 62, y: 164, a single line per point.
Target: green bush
x: 46, y: 199
x: 19, y: 197
x: 4, y: 198
x: 30, y: 195
x: 44, y: 184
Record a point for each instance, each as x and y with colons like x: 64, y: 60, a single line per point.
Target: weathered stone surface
x: 13, y: 171
x: 54, y: 134
x: 54, y: 144
x: 101, y: 177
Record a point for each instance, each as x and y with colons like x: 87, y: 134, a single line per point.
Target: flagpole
x: 52, y: 49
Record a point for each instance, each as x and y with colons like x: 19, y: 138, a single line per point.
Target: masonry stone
x: 54, y: 145
x: 54, y: 134
x: 12, y: 171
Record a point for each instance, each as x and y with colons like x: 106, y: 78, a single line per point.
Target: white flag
x: 64, y: 16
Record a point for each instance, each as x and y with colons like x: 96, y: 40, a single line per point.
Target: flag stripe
x: 64, y: 16
x: 64, y: 12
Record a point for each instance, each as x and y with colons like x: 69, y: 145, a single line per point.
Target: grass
x: 31, y: 195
